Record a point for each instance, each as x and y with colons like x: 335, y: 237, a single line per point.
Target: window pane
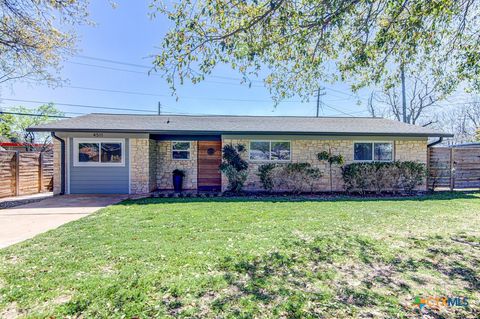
x: 181, y: 154
x: 363, y: 151
x: 181, y: 146
x: 111, y: 153
x: 259, y: 150
x: 281, y: 151
x: 383, y: 151
x: 87, y: 152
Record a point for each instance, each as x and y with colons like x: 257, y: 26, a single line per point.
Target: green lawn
x: 238, y: 258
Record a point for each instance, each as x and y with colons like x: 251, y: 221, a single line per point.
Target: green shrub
x: 291, y: 177
x: 412, y: 175
x: 234, y: 167
x: 383, y: 177
x: 266, y: 174
x: 299, y: 177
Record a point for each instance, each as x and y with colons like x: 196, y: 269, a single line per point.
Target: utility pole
x: 404, y: 99
x: 159, y: 108
x: 320, y: 92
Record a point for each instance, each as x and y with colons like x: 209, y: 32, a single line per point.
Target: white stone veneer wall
x: 307, y: 150
x: 166, y: 164
x: 140, y: 166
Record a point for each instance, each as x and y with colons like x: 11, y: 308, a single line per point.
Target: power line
x: 143, y: 66
x: 110, y: 68
x: 114, y: 91
x: 100, y: 107
x: 31, y: 114
x: 13, y: 109
x: 87, y: 57
x: 164, y: 95
x: 153, y: 74
x: 163, y: 112
x: 333, y: 108
x: 82, y: 105
x: 152, y: 68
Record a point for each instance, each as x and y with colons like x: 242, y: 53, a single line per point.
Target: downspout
x: 440, y: 140
x: 62, y: 162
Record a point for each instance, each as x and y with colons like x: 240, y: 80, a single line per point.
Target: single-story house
x: 136, y: 154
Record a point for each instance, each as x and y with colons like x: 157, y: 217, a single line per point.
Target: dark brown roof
x: 182, y: 124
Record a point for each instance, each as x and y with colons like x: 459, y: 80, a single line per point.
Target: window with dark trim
x: 180, y: 150
x: 373, y: 151
x: 270, y: 151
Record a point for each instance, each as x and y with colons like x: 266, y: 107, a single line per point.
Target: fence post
x: 17, y: 173
x: 40, y: 172
x: 452, y: 178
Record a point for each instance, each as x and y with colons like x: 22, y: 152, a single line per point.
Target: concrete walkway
x: 25, y: 221
x: 7, y: 202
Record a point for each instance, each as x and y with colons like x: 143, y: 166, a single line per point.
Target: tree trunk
x: 404, y: 99
x: 331, y: 179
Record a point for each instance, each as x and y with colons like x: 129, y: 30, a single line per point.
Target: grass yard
x: 257, y: 258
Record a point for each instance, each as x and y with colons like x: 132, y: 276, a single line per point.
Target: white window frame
x: 270, y: 151
x: 189, y: 151
x: 77, y: 163
x: 373, y: 151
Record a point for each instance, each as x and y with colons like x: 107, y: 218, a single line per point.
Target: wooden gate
x: 453, y: 168
x: 25, y: 173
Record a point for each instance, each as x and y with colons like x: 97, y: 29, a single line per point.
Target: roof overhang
x: 187, y: 132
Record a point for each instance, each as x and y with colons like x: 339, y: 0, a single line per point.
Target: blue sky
x: 127, y: 34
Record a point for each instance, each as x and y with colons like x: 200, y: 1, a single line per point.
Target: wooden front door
x: 209, y: 158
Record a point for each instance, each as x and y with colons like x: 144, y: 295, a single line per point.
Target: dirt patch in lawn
x: 10, y: 312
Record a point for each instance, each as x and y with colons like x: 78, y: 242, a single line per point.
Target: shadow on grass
x: 316, y: 278
x: 443, y: 196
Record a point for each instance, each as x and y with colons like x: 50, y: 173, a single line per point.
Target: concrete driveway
x: 26, y: 221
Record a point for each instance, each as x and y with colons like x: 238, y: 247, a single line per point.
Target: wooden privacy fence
x: 453, y: 168
x: 25, y: 173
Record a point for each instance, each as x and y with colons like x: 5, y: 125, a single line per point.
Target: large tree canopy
x: 35, y: 35
x: 301, y: 43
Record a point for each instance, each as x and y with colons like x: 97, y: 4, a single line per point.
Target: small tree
x: 14, y: 126
x: 234, y: 167
x: 331, y: 159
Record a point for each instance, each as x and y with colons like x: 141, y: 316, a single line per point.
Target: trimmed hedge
x: 292, y: 177
x: 381, y: 177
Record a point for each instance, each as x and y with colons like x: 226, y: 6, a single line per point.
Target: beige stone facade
x: 141, y: 166
x: 306, y: 150
x: 166, y: 164
x: 151, y: 162
x: 151, y: 166
x: 411, y: 151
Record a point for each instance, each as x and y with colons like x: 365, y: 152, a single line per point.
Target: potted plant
x: 178, y: 176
